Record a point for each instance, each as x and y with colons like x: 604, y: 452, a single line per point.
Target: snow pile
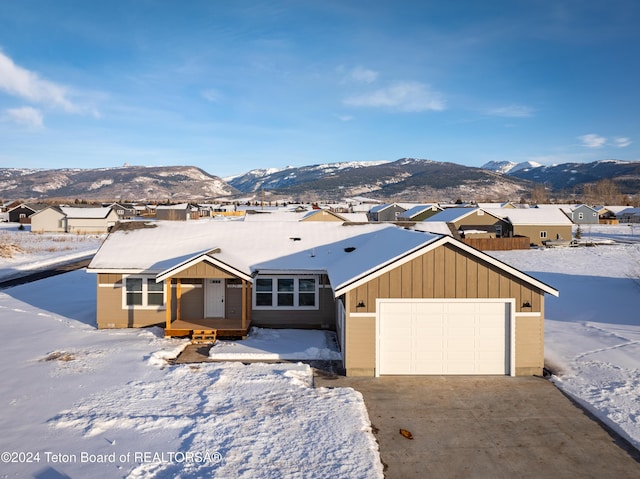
x: 274, y: 344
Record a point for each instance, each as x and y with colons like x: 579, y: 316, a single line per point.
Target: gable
x: 453, y: 268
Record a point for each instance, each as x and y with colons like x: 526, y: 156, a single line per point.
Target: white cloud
x: 25, y: 115
x: 18, y: 81
x: 401, y: 96
x: 512, y: 111
x: 622, y: 142
x: 212, y: 95
x: 344, y: 117
x: 592, y: 140
x: 363, y: 75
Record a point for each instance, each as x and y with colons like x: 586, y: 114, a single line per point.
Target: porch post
x: 178, y: 298
x: 244, y: 304
x: 167, y: 287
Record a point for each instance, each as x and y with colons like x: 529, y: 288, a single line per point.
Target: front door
x: 214, y: 298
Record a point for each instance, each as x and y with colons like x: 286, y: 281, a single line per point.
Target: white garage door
x: 443, y: 337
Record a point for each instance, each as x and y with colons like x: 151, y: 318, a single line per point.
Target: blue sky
x: 233, y: 85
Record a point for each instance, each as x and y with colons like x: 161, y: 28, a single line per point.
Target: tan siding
x: 461, y: 276
x: 417, y: 271
x: 529, y: 345
x: 395, y: 289
x: 384, y: 287
x: 202, y: 270
x: 505, y: 287
x: 191, y: 302
x: 439, y: 273
x: 361, y: 350
x: 233, y: 301
x: 372, y: 294
x: 494, y: 283
x: 110, y: 314
x: 472, y: 279
x: 428, y: 261
x: 405, y: 275
x: 533, y: 232
x: 477, y: 220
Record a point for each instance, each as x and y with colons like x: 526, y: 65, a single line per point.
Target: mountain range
x: 406, y: 179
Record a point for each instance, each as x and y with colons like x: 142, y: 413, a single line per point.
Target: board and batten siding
x: 444, y: 272
x: 109, y: 312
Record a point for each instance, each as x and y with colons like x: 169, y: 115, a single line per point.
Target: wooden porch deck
x: 226, y: 328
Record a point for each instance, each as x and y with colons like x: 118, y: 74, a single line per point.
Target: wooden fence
x: 499, y: 244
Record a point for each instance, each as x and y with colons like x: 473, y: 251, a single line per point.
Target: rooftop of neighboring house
x: 532, y: 216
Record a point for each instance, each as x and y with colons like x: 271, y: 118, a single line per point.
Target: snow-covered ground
x: 276, y: 344
x: 77, y: 396
x: 22, y: 251
x: 104, y: 403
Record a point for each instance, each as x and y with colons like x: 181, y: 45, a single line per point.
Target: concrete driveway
x: 487, y: 427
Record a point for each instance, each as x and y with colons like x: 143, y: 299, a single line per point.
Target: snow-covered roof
x: 249, y: 247
x: 96, y: 213
x: 378, y: 208
x: 435, y: 227
x: 181, y: 206
x: 416, y: 210
x: 532, y: 216
x: 451, y: 214
x: 629, y: 211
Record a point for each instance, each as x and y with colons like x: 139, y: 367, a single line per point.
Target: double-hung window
x: 274, y: 292
x: 142, y: 292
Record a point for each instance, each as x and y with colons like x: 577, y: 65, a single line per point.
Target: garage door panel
x: 443, y: 337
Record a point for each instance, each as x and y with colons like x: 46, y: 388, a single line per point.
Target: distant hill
x: 407, y: 179
x: 135, y: 183
x: 569, y: 176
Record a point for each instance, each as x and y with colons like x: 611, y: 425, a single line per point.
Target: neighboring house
x: 385, y: 212
x: 401, y: 301
x: 124, y: 211
x: 180, y: 212
x: 419, y: 212
x: 67, y: 219
x: 629, y: 215
x: 23, y: 212
x: 323, y: 215
x: 606, y: 215
x: 539, y: 224
x: 474, y: 222
x: 584, y: 215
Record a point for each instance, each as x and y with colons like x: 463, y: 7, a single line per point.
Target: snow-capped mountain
x: 407, y: 179
x: 509, y: 167
x: 276, y: 178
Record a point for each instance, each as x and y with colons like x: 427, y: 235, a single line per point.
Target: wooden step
x: 204, y: 336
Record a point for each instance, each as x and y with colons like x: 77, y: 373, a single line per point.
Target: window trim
x: 296, y: 293
x: 543, y: 234
x: 145, y: 294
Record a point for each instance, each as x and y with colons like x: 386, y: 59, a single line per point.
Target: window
x: 543, y: 234
x: 286, y: 293
x: 580, y: 216
x: 142, y: 292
